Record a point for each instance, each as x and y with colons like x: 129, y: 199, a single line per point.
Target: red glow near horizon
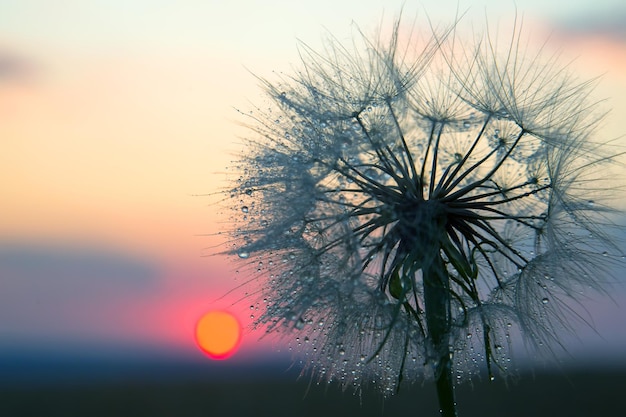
x: 218, y: 334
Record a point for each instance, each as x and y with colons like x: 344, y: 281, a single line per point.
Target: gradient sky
x: 116, y: 115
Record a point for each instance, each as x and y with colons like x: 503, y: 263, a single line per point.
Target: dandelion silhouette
x: 409, y: 204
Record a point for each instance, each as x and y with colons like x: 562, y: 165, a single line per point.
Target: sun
x: 218, y: 334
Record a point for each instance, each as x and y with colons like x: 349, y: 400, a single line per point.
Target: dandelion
x: 408, y: 205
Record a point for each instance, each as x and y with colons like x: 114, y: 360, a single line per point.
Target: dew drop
x: 243, y: 254
x: 605, y: 253
x: 545, y: 300
x: 466, y: 124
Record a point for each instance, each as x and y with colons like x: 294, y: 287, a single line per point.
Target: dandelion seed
x: 417, y: 200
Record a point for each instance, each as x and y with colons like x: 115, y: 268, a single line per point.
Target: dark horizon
x: 36, y: 367
x: 274, y: 389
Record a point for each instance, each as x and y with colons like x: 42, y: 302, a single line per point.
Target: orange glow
x: 218, y: 334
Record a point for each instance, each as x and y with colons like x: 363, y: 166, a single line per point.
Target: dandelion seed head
x: 400, y: 210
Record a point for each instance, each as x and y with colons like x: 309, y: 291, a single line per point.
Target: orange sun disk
x: 218, y: 334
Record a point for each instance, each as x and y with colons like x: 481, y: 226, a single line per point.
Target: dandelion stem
x: 437, y: 309
x: 445, y: 389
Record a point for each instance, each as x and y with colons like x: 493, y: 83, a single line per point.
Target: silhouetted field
x: 571, y: 394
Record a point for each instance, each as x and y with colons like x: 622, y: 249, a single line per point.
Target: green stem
x: 445, y: 387
x: 437, y: 310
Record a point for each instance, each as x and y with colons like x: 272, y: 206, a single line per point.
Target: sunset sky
x: 117, y: 117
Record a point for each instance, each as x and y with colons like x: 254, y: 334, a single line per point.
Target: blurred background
x: 117, y: 117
